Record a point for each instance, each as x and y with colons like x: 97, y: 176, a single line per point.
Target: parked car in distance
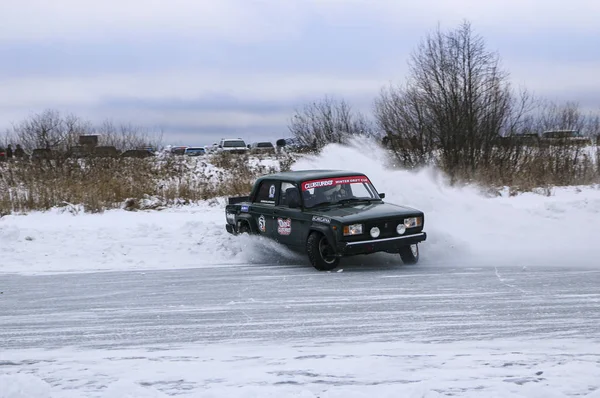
x: 327, y: 214
x: 194, y: 151
x: 232, y: 145
x: 178, y: 150
x: 42, y: 153
x: 262, y: 147
x: 137, y: 153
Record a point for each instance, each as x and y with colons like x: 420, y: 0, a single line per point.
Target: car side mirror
x: 382, y: 195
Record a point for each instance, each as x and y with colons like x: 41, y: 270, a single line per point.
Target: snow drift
x: 464, y: 226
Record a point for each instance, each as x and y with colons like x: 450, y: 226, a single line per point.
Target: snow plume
x: 466, y: 227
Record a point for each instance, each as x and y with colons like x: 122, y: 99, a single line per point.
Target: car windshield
x: 337, y: 190
x: 234, y: 143
x: 194, y: 150
x: 264, y: 145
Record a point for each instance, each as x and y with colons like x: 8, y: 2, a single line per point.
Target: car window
x: 233, y: 144
x: 267, y: 193
x: 289, y: 192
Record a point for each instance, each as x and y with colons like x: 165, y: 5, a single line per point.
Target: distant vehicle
x: 2, y: 154
x: 42, y: 153
x: 328, y: 214
x: 77, y: 152
x: 147, y: 148
x: 232, y: 145
x: 262, y: 147
x: 194, y: 151
x: 291, y: 145
x: 137, y: 153
x: 106, y: 151
x: 178, y: 150
x: 566, y: 136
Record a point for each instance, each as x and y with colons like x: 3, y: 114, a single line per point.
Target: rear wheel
x: 321, y: 253
x: 410, y: 254
x: 244, y: 228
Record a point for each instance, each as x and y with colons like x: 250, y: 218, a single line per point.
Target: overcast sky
x: 201, y: 70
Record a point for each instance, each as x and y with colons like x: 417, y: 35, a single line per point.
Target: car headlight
x: 354, y: 229
x: 401, y: 228
x: 413, y: 222
x: 375, y: 232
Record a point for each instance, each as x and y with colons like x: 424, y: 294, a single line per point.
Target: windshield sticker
x: 262, y: 224
x: 245, y: 208
x: 272, y: 191
x: 284, y: 226
x: 333, y: 181
x: 325, y: 220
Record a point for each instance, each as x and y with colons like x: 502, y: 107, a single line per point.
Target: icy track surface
x: 504, y: 303
x: 273, y: 331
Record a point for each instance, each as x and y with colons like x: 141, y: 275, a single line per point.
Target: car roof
x: 305, y: 175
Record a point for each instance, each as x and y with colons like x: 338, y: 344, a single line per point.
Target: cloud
x: 76, y: 20
x: 232, y: 65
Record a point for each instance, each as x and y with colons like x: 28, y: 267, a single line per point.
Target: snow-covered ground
x: 505, y: 301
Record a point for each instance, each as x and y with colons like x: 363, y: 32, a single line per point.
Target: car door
x: 263, y: 206
x: 288, y: 223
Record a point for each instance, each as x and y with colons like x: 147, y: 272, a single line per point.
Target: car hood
x: 362, y: 211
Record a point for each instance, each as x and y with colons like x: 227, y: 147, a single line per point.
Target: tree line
x: 454, y: 108
x: 59, y: 132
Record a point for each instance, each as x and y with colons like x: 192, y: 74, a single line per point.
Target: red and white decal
x: 333, y: 181
x: 284, y: 226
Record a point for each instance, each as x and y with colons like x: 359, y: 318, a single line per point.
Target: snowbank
x: 550, y: 369
x: 463, y: 226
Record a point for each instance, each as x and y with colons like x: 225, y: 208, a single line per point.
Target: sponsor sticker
x: 333, y: 181
x: 245, y: 208
x: 272, y: 191
x: 262, y: 223
x: 325, y: 220
x: 284, y: 226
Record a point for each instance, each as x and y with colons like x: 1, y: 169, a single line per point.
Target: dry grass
x: 527, y: 168
x: 106, y: 183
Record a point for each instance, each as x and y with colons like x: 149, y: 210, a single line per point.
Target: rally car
x: 328, y: 214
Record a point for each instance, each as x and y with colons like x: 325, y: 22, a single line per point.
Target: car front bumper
x: 388, y: 245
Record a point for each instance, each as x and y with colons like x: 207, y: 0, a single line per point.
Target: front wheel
x: 321, y: 253
x: 410, y: 254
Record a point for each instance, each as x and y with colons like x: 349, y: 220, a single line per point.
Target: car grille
x: 387, y: 229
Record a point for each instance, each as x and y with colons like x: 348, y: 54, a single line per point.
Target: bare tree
x: 49, y: 130
x: 566, y: 116
x: 327, y: 121
x: 457, y: 98
x: 127, y: 136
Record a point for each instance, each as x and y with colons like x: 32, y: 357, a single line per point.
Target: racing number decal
x: 262, y: 224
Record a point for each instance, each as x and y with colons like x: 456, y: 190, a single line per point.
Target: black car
x: 328, y: 214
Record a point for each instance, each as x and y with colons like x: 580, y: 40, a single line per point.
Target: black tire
x: 320, y: 252
x: 244, y: 228
x: 410, y: 254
